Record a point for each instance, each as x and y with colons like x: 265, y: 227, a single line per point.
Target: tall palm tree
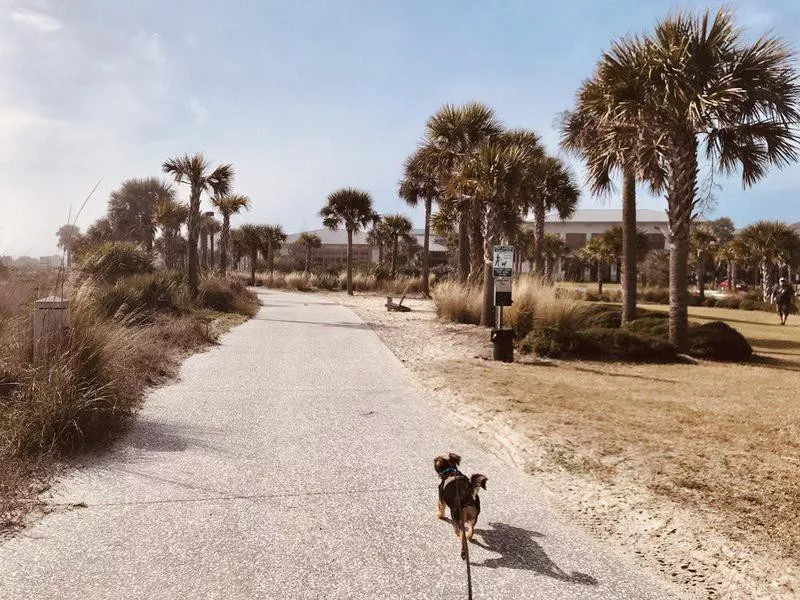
x: 213, y: 227
x: 702, y: 244
x: 697, y: 83
x: 420, y: 183
x: 609, y: 148
x: 309, y: 242
x: 492, y: 178
x: 206, y: 220
x: 397, y: 227
x: 252, y: 239
x: 170, y: 216
x: 548, y: 187
x: 274, y: 236
x: 197, y: 172
x: 453, y: 136
x: 352, y: 209
x: 227, y: 205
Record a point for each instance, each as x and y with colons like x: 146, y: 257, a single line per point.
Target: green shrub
x: 747, y: 304
x: 227, y: 294
x: 138, y: 297
x: 710, y: 301
x: 718, y: 341
x: 655, y: 295
x: 652, y: 326
x: 729, y: 302
x: 114, y: 260
x: 598, y: 343
x: 604, y: 315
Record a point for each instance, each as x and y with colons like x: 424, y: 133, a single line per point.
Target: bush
x: 138, y: 297
x: 710, y: 301
x: 718, y: 341
x: 747, y: 304
x: 537, y: 303
x: 729, y: 302
x: 114, y: 260
x: 227, y: 294
x: 302, y: 282
x: 458, y: 302
x: 653, y: 325
x: 655, y: 295
x: 326, y: 281
x: 598, y: 343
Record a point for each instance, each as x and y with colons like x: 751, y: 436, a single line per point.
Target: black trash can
x: 503, y: 340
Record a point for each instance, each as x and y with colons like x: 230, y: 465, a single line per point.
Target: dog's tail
x: 476, y: 482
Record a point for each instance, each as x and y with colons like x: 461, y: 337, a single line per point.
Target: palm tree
x: 132, y: 209
x: 598, y: 252
x: 352, y: 209
x: 252, y: 239
x: 213, y: 227
x: 309, y: 242
x: 398, y: 227
x: 205, y: 226
x: 553, y: 248
x: 453, y: 136
x: 702, y: 244
x: 228, y: 205
x: 695, y: 82
x: 492, y: 179
x: 238, y: 248
x: 69, y: 237
x: 609, y: 148
x: 420, y: 183
x: 772, y: 246
x: 196, y: 171
x: 379, y: 237
x: 274, y: 236
x: 170, y: 216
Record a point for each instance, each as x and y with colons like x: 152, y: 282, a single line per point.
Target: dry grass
x: 362, y: 282
x: 92, y: 384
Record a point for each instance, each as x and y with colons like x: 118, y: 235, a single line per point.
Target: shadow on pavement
x: 344, y: 325
x: 518, y: 549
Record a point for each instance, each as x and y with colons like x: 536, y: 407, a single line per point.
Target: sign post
x: 502, y: 270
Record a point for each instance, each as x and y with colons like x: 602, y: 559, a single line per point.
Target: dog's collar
x: 448, y: 471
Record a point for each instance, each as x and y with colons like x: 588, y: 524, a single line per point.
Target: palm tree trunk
x: 271, y: 258
x: 211, y: 250
x: 426, y: 267
x: 599, y: 279
x: 349, y: 262
x: 193, y: 224
x: 766, y: 281
x: 204, y: 249
x: 538, y: 236
x: 223, y: 243
x: 476, y: 243
x: 701, y: 277
x: 463, y: 245
x: 487, y: 308
x: 394, y: 255
x: 253, y: 260
x: 547, y: 268
x: 308, y: 257
x: 680, y: 200
x: 628, y: 246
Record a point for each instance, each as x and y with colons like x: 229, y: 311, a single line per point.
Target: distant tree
x: 380, y: 237
x: 399, y: 227
x: 273, y: 238
x: 352, y: 209
x: 702, y: 245
x: 308, y: 242
x: 771, y: 245
x: 170, y: 217
x: 253, y: 239
x: 196, y: 171
x: 228, y: 205
x: 553, y: 248
x: 132, y: 209
x: 97, y: 233
x: 69, y: 239
x: 213, y: 227
x: 599, y: 252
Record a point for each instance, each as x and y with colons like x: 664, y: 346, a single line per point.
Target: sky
x: 302, y: 97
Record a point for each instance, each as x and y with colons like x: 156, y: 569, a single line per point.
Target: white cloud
x: 36, y: 20
x: 199, y: 112
x: 149, y: 45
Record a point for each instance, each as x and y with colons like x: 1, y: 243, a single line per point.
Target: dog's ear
x: 440, y: 463
x: 455, y: 459
x: 478, y: 480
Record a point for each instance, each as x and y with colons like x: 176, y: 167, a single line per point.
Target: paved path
x: 295, y: 461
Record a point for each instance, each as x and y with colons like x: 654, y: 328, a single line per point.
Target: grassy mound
x: 598, y: 343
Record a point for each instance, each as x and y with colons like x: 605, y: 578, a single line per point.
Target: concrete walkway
x: 295, y: 461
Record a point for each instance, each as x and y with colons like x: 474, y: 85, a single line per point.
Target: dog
x: 460, y: 494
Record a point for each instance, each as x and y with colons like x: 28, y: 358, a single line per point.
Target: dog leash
x: 464, y: 545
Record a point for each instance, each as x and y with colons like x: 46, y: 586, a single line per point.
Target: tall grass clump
x: 227, y: 294
x: 458, y: 302
x: 111, y: 261
x: 538, y: 303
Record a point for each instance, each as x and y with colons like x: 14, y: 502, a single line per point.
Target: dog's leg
x: 440, y: 509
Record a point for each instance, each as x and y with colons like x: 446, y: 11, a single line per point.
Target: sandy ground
x: 689, y: 543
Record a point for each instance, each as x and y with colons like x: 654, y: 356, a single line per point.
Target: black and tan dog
x: 459, y: 493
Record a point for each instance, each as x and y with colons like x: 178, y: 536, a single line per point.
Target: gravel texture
x: 294, y: 460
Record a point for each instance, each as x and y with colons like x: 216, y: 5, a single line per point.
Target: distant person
x: 783, y: 296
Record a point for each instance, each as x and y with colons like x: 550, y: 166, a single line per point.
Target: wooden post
x: 50, y: 321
